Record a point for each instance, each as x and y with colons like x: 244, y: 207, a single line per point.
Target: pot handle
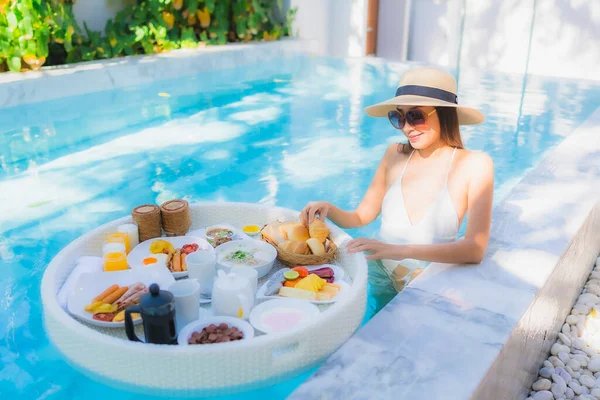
x: 244, y: 309
x: 129, y: 323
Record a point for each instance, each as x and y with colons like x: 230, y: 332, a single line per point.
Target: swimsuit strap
x: 450, y: 166
x: 406, y: 164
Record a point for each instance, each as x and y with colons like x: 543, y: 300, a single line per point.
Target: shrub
x: 38, y: 32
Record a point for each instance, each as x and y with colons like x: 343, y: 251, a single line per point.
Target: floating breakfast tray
x: 201, y: 370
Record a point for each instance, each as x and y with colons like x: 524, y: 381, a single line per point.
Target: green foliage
x: 34, y: 32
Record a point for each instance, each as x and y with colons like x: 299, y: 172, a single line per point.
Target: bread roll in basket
x: 297, y: 245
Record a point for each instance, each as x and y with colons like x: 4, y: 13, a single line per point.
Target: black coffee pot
x: 158, y: 315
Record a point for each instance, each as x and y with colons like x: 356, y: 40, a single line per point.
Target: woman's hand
x: 378, y: 249
x: 310, y: 211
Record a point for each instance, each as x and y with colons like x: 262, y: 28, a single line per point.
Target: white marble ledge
x: 419, y: 344
x: 88, y: 77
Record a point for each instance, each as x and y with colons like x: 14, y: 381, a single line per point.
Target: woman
x: 423, y: 188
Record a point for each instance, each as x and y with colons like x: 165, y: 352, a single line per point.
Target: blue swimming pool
x: 69, y: 165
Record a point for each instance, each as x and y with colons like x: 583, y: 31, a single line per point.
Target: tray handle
x: 287, y: 354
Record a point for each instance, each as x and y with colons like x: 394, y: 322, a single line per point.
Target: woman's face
x: 426, y: 135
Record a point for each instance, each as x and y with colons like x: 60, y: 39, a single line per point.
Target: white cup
x: 113, y: 248
x: 202, y: 266
x: 249, y: 273
x: 187, y: 301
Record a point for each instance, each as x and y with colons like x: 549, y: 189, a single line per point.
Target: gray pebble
x: 574, y: 364
x: 546, y: 372
x: 587, y: 372
x: 578, y: 343
x: 559, y: 380
x: 587, y: 381
x: 548, y: 364
x: 569, y: 393
x: 564, y: 357
x: 563, y: 374
x: 543, y: 395
x: 575, y: 386
x: 556, y: 362
x: 564, y: 338
x: 541, y: 384
x: 558, y: 390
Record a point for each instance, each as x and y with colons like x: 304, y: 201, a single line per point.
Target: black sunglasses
x: 416, y: 118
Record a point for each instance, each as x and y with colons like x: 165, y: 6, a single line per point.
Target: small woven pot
x: 292, y: 259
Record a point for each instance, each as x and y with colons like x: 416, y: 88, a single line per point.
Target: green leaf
x: 210, y: 4
x: 14, y: 64
x: 192, y: 6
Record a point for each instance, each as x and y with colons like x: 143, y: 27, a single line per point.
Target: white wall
x: 392, y: 29
x: 566, y: 39
x: 95, y: 13
x: 565, y: 36
x: 338, y: 26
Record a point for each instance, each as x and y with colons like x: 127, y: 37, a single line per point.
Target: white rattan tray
x: 106, y: 355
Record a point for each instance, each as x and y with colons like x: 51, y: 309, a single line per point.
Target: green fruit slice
x: 291, y: 275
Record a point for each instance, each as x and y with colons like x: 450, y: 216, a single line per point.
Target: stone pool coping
x: 87, y: 77
x: 478, y: 332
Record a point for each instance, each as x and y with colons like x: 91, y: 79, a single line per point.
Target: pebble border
x: 573, y: 369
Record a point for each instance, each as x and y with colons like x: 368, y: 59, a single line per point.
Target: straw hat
x: 427, y: 87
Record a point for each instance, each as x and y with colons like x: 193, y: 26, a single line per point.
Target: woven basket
x: 292, y: 259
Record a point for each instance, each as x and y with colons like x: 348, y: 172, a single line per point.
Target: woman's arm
x: 368, y: 209
x: 469, y: 250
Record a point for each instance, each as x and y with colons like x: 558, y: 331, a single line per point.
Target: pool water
x: 285, y: 138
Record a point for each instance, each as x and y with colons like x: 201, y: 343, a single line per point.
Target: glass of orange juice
x: 115, y: 261
x: 119, y: 237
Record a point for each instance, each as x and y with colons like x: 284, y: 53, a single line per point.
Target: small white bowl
x: 186, y: 332
x: 210, y: 239
x: 262, y: 269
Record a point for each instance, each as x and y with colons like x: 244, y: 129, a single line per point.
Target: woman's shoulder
x: 476, y: 162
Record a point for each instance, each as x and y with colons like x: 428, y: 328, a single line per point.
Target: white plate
x: 196, y: 326
x: 304, y: 310
x: 90, y: 285
x: 142, y: 250
x: 338, y: 274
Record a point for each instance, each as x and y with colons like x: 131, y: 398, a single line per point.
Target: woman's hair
x: 449, y: 130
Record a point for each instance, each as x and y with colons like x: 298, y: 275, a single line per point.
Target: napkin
x: 84, y: 264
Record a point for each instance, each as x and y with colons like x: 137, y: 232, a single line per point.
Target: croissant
x: 318, y: 230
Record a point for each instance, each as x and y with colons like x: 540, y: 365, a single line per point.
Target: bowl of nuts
x: 214, y: 330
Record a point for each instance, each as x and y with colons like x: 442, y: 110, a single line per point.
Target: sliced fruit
x: 291, y: 275
x: 149, y: 260
x: 324, y: 296
x: 292, y: 283
x: 302, y: 271
x: 297, y: 293
x: 312, y: 283
x: 330, y: 289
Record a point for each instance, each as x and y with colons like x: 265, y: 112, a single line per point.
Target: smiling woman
x: 422, y: 203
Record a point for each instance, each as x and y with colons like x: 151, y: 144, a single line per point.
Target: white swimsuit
x: 438, y: 225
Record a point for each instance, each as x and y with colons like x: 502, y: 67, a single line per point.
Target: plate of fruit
x: 321, y: 284
x: 168, y: 251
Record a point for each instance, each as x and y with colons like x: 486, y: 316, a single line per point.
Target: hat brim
x: 466, y: 115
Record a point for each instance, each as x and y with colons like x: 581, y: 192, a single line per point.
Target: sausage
x: 114, y: 296
x: 106, y: 293
x: 177, y: 261
x: 183, y: 264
